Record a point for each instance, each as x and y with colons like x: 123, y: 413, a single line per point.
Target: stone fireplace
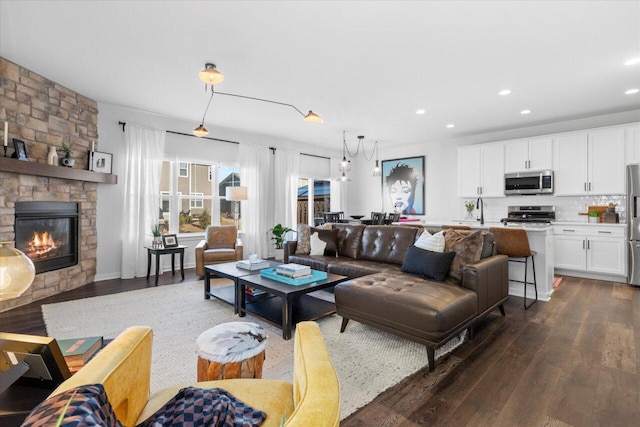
x: 43, y: 113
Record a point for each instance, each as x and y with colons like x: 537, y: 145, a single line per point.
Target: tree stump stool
x: 231, y: 350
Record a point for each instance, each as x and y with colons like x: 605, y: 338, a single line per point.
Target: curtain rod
x: 273, y: 149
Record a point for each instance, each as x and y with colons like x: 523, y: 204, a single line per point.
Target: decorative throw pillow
x: 325, y: 226
x: 431, y: 242
x: 317, y: 245
x: 86, y: 405
x: 304, y: 245
x: 467, y: 248
x: 330, y: 237
x: 432, y: 265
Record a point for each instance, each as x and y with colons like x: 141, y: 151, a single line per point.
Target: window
x: 183, y: 171
x: 190, y: 199
x: 314, y: 198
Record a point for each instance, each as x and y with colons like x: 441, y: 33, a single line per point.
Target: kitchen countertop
x: 526, y: 226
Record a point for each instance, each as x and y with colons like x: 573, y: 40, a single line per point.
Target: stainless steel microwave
x: 528, y: 183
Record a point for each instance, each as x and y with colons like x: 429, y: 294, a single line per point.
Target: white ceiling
x: 365, y: 67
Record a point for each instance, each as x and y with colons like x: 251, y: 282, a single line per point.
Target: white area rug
x: 368, y: 361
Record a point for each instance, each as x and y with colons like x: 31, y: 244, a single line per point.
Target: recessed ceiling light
x: 504, y: 92
x: 525, y: 112
x: 451, y: 125
x: 632, y: 61
x: 421, y: 111
x: 632, y: 91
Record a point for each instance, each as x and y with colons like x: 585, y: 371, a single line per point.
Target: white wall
x: 110, y: 197
x: 441, y: 164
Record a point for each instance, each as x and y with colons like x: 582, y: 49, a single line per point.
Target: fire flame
x: 42, y: 243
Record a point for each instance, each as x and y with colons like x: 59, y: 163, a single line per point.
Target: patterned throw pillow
x: 88, y: 405
x: 317, y: 245
x: 467, y: 248
x: 304, y: 244
x: 431, y: 242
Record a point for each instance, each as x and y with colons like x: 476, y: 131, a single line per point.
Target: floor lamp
x: 236, y: 194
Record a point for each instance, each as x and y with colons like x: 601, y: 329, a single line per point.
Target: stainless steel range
x: 530, y: 214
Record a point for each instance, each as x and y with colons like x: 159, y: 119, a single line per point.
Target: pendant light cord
x: 207, y: 109
x: 345, y: 147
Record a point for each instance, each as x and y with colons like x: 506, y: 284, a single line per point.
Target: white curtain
x: 338, y: 187
x: 254, y: 174
x: 287, y: 164
x: 144, y: 148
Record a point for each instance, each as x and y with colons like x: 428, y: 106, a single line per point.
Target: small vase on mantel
x: 52, y: 157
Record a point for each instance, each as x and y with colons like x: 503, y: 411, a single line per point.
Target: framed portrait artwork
x: 403, y: 185
x: 100, y: 162
x: 169, y: 240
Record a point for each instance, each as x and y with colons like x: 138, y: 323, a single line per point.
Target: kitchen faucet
x: 480, y: 204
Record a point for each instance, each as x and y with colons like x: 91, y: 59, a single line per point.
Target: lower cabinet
x: 590, y: 248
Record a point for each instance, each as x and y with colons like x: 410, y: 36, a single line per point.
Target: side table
x: 162, y: 251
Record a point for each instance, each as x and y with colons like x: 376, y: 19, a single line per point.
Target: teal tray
x: 270, y: 273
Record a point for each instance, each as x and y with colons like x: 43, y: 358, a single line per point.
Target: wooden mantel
x: 8, y: 164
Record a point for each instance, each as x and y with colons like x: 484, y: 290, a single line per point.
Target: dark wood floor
x: 569, y: 362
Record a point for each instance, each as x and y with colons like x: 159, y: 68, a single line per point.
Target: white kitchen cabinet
x: 590, y: 248
x: 632, y: 142
x: 481, y: 171
x: 589, y: 163
x: 528, y: 155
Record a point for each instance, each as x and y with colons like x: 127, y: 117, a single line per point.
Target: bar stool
x: 514, y: 243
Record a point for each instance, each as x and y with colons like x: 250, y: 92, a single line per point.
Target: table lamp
x: 16, y: 272
x: 236, y: 194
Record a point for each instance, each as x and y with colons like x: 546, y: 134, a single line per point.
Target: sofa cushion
x: 316, y: 262
x: 386, y: 243
x: 429, y: 264
x: 349, y: 239
x: 431, y: 242
x: 467, y: 247
x: 358, y: 268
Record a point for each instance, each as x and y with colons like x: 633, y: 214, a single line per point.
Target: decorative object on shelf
x: 470, y: 206
x: 100, y: 162
x: 278, y: 232
x: 211, y: 76
x: 20, y: 148
x: 157, y: 236
x: 610, y: 216
x: 345, y: 165
x: 5, y: 141
x: 236, y: 194
x: 66, y: 160
x: 169, y: 240
x: 403, y: 185
x: 52, y: 157
x: 594, y: 216
x: 16, y: 272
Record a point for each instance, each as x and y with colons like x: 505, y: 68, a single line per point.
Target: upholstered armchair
x: 219, y: 245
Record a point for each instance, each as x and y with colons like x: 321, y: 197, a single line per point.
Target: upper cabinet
x: 632, y: 134
x: 589, y: 163
x: 528, y: 155
x: 481, y: 171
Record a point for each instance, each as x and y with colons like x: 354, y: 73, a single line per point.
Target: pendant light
x: 210, y: 75
x: 201, y: 131
x: 376, y: 169
x: 345, y: 164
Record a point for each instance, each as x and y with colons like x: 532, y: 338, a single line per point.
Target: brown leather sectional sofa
x: 379, y: 294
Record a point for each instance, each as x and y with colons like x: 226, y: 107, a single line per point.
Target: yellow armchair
x: 219, y: 245
x: 124, y: 369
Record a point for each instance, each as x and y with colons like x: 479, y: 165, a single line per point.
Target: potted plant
x: 594, y: 216
x: 278, y: 232
x: 470, y: 206
x: 157, y: 235
x: 66, y: 160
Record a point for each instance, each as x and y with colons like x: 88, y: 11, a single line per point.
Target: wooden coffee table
x: 286, y: 304
x: 227, y: 270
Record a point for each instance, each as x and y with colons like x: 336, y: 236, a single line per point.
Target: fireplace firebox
x: 47, y: 232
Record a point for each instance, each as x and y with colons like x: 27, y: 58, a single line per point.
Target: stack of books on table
x: 295, y: 271
x: 245, y: 264
x: 78, y: 351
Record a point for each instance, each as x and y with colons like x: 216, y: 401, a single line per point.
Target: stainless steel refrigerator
x: 633, y: 219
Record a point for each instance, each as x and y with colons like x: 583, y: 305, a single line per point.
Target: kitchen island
x: 541, y: 241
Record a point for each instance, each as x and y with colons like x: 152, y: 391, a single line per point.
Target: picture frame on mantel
x: 100, y: 162
x: 20, y: 150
